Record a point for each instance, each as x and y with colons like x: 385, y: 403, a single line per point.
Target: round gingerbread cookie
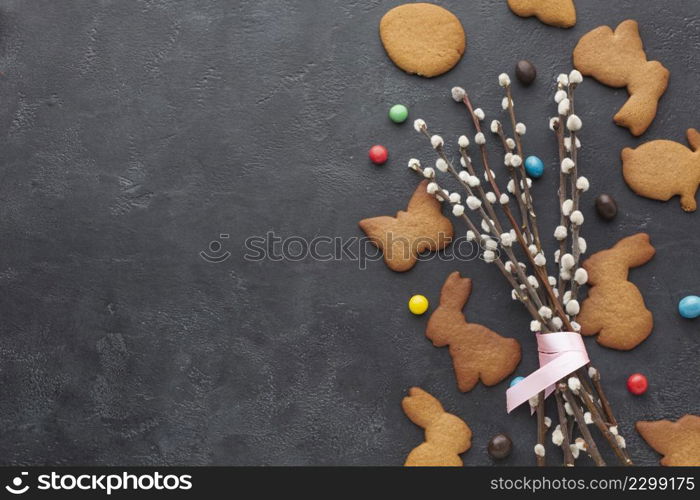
x: 423, y: 38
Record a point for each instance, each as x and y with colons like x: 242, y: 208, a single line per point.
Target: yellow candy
x: 418, y: 304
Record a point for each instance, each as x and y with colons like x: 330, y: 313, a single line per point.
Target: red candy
x: 637, y: 384
x: 378, y: 154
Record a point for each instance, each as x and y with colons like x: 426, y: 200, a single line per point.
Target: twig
x: 541, y: 429
x: 594, y: 375
x: 526, y: 188
x: 499, y: 262
x: 513, y: 175
x: 550, y: 304
x: 592, y: 448
x: 597, y: 419
x: 538, y: 270
x: 565, y: 430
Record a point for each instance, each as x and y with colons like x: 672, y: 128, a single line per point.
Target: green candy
x: 398, y: 113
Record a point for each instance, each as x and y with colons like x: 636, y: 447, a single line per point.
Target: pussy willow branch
x: 532, y: 232
x: 514, y: 177
x: 536, y: 292
x: 575, y: 250
x: 485, y: 209
x: 564, y: 427
x: 519, y: 282
x: 507, y: 211
x: 567, y: 116
x: 541, y: 430
x: 592, y: 448
x: 532, y: 293
x: 552, y: 300
x: 594, y: 375
x: 603, y: 428
x: 535, y: 236
x: 566, y: 110
x: 558, y: 127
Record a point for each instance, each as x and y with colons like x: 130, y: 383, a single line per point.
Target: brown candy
x: 500, y: 446
x: 606, y: 206
x: 526, y: 72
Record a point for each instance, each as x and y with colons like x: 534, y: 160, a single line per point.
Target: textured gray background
x: 134, y: 133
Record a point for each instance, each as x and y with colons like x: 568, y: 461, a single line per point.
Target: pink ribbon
x: 560, y: 353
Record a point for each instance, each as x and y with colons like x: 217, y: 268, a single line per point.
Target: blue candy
x: 534, y: 167
x: 689, y: 307
x: 516, y: 380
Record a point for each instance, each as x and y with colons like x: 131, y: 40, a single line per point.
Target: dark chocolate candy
x: 500, y: 446
x: 606, y: 206
x: 526, y: 72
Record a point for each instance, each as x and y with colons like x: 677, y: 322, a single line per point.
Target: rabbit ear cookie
x: 559, y: 13
x: 446, y: 435
x: 617, y: 58
x: 478, y: 353
x: 678, y: 441
x: 663, y: 169
x: 614, y: 308
x: 421, y: 227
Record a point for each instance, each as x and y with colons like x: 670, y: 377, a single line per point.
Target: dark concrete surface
x: 135, y: 133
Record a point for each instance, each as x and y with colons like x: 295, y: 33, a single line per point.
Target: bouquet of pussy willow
x: 504, y: 224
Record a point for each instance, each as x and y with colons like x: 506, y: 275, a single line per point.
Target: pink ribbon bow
x: 561, y: 353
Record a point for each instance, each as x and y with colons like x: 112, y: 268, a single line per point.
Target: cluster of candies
x: 378, y: 154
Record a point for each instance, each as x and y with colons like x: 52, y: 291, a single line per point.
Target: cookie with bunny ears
x: 419, y: 228
x: 446, y: 435
x: 478, y: 353
x: 617, y: 59
x: 663, y: 169
x: 615, y: 308
x: 559, y: 13
x: 678, y: 442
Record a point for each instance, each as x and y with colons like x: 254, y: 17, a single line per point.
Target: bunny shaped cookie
x: 561, y: 13
x: 678, y: 442
x: 663, y: 169
x: 615, y: 307
x: 419, y: 228
x: 446, y: 435
x: 477, y: 352
x: 617, y: 58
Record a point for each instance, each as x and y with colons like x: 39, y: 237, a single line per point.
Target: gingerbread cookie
x: 618, y: 59
x: 560, y: 13
x: 477, y: 352
x: 678, y: 441
x: 422, y: 38
x: 446, y: 435
x: 421, y: 228
x: 663, y: 169
x: 615, y: 307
